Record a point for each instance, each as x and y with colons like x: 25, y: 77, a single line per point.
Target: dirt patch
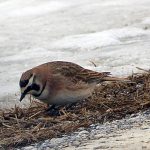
x: 22, y: 126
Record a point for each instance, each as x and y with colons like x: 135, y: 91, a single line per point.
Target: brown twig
x: 35, y: 114
x: 108, y: 102
x: 93, y: 63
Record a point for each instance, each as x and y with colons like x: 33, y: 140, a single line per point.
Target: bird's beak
x: 22, y: 97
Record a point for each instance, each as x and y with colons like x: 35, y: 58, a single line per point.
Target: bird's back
x: 75, y: 72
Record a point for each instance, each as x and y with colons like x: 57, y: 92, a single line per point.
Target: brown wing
x: 77, y: 73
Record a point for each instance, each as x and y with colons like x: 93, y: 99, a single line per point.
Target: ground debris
x: 22, y: 126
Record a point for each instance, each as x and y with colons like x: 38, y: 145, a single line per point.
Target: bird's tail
x: 109, y: 78
x: 101, y: 76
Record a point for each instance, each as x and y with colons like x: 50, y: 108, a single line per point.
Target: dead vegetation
x: 19, y: 127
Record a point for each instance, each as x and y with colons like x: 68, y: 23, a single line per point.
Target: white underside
x: 67, y: 96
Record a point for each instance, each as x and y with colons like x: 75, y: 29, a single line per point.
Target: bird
x: 60, y: 83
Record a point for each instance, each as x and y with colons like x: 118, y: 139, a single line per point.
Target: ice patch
x: 146, y: 21
x: 32, y: 54
x: 98, y: 39
x: 39, y: 9
x: 15, y: 8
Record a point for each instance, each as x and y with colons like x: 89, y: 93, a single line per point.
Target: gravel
x: 100, y: 133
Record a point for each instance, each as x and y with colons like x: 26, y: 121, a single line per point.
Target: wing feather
x: 77, y: 73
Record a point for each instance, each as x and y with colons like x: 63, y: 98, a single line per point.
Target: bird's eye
x: 23, y: 83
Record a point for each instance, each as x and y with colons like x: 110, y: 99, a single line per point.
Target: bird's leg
x: 53, y: 110
x: 50, y: 108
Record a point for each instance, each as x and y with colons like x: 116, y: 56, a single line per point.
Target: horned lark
x: 59, y: 83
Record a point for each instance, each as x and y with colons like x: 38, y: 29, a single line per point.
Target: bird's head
x: 31, y: 82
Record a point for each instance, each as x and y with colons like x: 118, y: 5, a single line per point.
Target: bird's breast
x: 66, y: 96
x: 44, y: 97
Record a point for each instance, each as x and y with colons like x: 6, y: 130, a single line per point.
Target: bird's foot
x: 57, y: 111
x: 52, y: 111
x: 49, y: 108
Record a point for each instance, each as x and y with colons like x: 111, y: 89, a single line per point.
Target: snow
x: 18, y: 8
x: 114, y: 35
x: 146, y: 21
x: 99, y: 39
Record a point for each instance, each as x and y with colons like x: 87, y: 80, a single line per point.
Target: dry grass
x: 110, y: 101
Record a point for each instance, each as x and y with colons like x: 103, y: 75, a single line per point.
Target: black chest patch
x: 35, y: 87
